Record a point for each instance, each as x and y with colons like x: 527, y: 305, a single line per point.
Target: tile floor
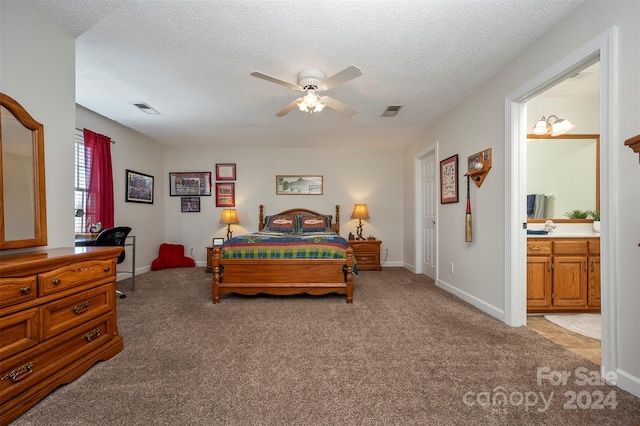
x: 586, y: 347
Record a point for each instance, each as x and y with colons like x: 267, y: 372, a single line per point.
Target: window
x: 81, y: 184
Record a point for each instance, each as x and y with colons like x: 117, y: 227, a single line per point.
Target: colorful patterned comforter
x: 275, y: 245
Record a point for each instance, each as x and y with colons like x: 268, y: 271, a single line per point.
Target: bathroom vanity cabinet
x: 563, y: 275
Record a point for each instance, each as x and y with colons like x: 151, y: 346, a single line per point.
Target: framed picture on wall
x: 139, y: 187
x: 298, y: 185
x: 225, y: 195
x: 189, y: 183
x: 226, y: 171
x: 449, y: 180
x: 190, y: 204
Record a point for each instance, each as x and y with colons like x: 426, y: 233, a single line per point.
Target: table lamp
x: 360, y: 212
x: 229, y: 216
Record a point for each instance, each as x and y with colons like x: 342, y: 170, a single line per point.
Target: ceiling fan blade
x: 341, y: 77
x: 276, y: 80
x: 338, y: 106
x: 286, y: 110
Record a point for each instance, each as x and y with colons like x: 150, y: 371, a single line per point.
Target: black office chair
x: 114, y: 237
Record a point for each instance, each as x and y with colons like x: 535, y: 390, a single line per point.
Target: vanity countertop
x: 565, y: 230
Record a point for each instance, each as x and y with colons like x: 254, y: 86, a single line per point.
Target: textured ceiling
x: 191, y: 60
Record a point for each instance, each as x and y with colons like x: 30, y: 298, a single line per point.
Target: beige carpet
x: 587, y: 325
x: 404, y: 353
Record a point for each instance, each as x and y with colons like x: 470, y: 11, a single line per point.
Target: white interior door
x: 429, y: 215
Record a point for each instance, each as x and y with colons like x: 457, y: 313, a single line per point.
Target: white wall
x: 370, y: 176
x: 37, y: 69
x: 478, y: 123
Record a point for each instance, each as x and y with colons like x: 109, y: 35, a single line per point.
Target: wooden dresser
x: 57, y: 318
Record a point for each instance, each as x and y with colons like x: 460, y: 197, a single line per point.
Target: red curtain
x: 99, y: 175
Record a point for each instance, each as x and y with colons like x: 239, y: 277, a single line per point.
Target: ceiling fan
x: 312, y: 82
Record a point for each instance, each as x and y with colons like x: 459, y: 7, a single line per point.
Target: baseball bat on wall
x: 468, y: 234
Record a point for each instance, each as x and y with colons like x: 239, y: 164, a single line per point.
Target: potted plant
x: 577, y: 214
x: 595, y: 214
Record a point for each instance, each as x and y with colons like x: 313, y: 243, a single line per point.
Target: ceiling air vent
x: 391, y: 111
x: 146, y: 108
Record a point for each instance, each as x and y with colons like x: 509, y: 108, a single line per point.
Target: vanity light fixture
x: 360, y: 211
x: 229, y: 216
x: 557, y: 127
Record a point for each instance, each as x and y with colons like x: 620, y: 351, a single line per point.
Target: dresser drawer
x: 75, y: 275
x: 27, y: 369
x: 541, y: 247
x: 569, y: 247
x: 17, y: 290
x: 364, y: 259
x: 594, y: 246
x: 66, y: 313
x: 18, y: 332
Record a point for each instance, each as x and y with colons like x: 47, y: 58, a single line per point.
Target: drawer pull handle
x: 80, y: 307
x: 25, y: 290
x: 533, y: 248
x: 56, y: 281
x: 107, y: 269
x: 364, y: 259
x: 16, y: 374
x: 92, y: 334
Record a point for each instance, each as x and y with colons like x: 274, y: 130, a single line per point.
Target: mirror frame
x: 40, y: 204
x: 574, y: 136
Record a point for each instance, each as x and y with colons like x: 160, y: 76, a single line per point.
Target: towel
x: 538, y: 206
x: 530, y: 202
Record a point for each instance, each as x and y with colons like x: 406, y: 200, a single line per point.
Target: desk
x: 84, y: 240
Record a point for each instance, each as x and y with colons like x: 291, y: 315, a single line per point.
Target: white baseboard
x: 628, y: 382
x: 480, y: 304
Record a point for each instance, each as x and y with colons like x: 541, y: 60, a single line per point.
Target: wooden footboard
x: 282, y: 276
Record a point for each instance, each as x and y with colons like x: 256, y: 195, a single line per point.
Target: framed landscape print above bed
x: 298, y: 185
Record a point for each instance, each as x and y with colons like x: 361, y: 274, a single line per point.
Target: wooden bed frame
x: 284, y: 276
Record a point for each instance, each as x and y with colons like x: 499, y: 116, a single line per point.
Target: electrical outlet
x: 451, y: 267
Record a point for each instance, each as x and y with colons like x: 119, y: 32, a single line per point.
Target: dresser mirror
x: 566, y: 170
x: 23, y: 216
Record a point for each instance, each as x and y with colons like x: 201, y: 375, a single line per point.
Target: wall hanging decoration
x: 225, y: 195
x: 449, y: 180
x: 190, y: 204
x: 189, y: 183
x: 226, y: 171
x: 298, y: 185
x: 478, y: 166
x: 139, y: 187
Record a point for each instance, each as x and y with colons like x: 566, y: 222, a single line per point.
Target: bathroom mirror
x: 23, y: 216
x: 566, y: 171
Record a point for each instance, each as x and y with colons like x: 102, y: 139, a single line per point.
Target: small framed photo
x: 449, y: 180
x: 139, y: 187
x: 190, y: 204
x: 225, y: 195
x: 218, y: 242
x: 195, y: 183
x: 298, y: 185
x: 226, y: 171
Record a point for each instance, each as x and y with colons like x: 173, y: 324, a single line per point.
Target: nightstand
x: 367, y: 254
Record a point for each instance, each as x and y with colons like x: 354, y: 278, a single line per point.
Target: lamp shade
x: 561, y: 127
x: 229, y: 216
x: 360, y: 211
x: 540, y: 127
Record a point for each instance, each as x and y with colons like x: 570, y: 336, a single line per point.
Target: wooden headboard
x: 335, y: 225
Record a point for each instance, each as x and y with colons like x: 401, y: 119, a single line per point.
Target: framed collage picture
x: 139, y: 187
x: 189, y: 184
